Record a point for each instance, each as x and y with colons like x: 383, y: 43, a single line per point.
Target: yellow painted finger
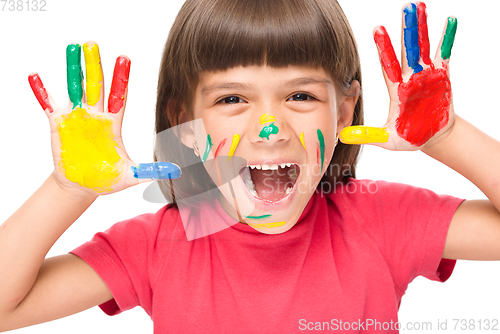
x: 363, y: 135
x: 94, y: 73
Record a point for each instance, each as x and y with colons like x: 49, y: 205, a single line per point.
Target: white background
x: 36, y: 41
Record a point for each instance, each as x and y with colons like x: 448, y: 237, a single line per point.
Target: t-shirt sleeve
x: 127, y: 259
x: 410, y: 226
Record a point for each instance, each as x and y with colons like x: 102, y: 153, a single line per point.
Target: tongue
x: 271, y: 185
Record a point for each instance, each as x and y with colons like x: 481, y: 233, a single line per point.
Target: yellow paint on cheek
x: 267, y: 119
x: 88, y: 150
x: 363, y: 135
x: 302, y: 140
x: 234, y: 144
x: 267, y: 225
x: 94, y: 73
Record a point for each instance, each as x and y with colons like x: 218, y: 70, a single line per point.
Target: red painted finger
x: 119, y: 85
x: 388, y: 58
x: 423, y: 34
x: 40, y: 92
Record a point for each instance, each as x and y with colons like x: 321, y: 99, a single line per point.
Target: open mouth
x: 270, y: 183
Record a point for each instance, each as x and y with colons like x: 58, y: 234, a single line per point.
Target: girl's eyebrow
x: 237, y: 85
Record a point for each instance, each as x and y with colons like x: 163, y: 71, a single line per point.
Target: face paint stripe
x: 94, y: 73
x: 321, y: 140
x: 157, y: 171
x: 388, y: 58
x: 38, y: 89
x: 423, y: 35
x: 302, y: 140
x: 74, y: 74
x: 208, y: 148
x: 267, y: 225
x: 266, y: 119
x: 234, y: 144
x: 363, y: 135
x: 221, y: 145
x: 258, y: 217
x: 119, y: 85
x: 449, y: 38
x: 411, y: 38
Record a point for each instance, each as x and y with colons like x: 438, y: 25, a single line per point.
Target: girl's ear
x: 180, y: 119
x: 347, y: 105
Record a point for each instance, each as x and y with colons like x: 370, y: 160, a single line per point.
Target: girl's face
x: 284, y: 123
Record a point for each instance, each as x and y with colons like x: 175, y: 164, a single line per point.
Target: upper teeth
x: 270, y: 167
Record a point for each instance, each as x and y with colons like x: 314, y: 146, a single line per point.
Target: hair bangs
x: 276, y: 33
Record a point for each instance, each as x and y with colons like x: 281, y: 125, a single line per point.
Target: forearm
x: 27, y: 236
x: 472, y: 153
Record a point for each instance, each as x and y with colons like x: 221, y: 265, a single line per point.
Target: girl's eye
x: 301, y: 97
x: 230, y: 100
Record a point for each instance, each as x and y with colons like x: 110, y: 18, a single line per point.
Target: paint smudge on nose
x: 221, y: 145
x: 268, y: 130
x: 157, y: 171
x: 321, y: 140
x: 265, y: 118
x: 74, y: 74
x: 449, y: 38
x: 234, y: 144
x: 267, y: 225
x: 208, y: 148
x: 94, y: 73
x: 88, y: 150
x: 302, y: 140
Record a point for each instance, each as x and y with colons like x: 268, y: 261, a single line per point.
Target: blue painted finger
x: 411, y: 38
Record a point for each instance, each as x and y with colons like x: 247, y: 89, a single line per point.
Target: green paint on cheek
x: 321, y: 148
x: 74, y: 74
x: 449, y: 38
x: 207, y: 149
x: 258, y: 217
x: 268, y: 130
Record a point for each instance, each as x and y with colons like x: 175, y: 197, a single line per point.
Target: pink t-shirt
x: 349, y: 259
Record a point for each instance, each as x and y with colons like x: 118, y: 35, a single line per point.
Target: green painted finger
x: 74, y: 74
x: 449, y: 38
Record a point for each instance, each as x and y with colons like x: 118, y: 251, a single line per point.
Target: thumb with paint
x: 87, y: 147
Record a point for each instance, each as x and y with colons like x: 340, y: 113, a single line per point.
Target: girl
x: 319, y: 107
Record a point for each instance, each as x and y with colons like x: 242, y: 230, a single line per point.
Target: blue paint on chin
x: 411, y: 38
x: 157, y: 171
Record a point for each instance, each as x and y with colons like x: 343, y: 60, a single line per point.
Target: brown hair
x: 210, y: 35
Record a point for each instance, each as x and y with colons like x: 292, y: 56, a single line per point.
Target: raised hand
x: 421, y: 108
x: 87, y: 146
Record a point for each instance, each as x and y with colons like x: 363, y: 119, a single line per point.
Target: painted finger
x: 423, y: 34
x: 448, y: 39
x: 363, y: 135
x: 95, y: 83
x: 41, y: 93
x: 388, y: 59
x: 157, y: 171
x: 118, y: 93
x: 410, y: 33
x: 74, y: 74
